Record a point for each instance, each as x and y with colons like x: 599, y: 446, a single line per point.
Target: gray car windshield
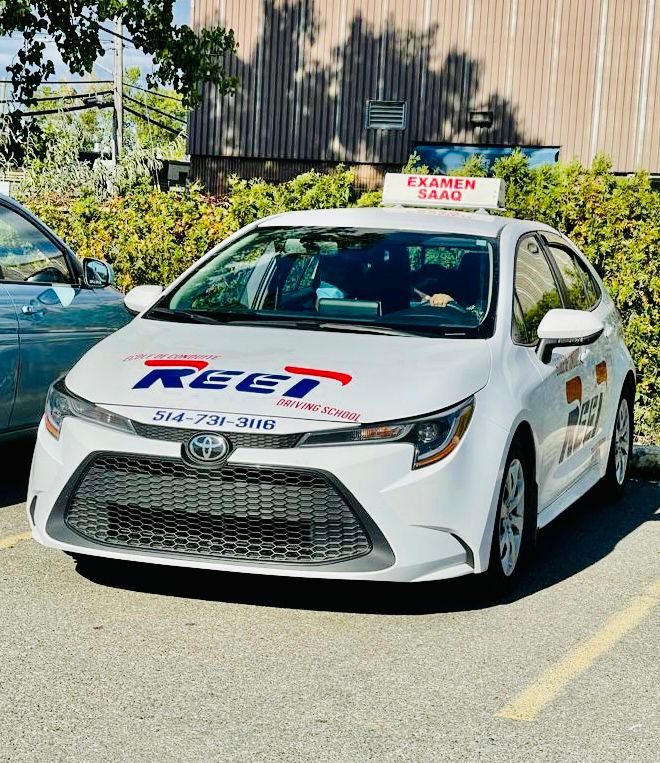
x: 355, y: 279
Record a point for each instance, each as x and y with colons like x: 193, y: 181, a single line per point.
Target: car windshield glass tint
x: 428, y: 283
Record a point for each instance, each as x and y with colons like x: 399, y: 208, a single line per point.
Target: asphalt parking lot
x: 136, y: 663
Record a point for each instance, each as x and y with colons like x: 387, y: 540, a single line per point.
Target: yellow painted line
x: 531, y: 701
x: 13, y: 540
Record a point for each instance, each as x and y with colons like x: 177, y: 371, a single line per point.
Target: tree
x: 156, y: 121
x: 182, y: 59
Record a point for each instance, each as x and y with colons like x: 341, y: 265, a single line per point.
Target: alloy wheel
x: 512, y: 516
x: 621, y: 441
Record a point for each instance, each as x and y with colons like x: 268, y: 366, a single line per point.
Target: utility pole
x: 118, y: 111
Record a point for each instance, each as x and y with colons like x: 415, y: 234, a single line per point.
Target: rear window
x: 583, y: 292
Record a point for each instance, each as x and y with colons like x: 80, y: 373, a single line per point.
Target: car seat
x: 388, y: 279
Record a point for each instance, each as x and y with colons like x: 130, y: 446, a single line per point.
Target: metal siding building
x: 582, y: 75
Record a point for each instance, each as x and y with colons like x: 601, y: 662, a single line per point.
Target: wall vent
x: 386, y: 115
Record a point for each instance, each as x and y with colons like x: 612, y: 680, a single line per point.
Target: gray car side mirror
x: 96, y: 273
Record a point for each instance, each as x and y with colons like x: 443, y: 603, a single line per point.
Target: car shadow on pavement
x: 16, y: 458
x: 583, y: 535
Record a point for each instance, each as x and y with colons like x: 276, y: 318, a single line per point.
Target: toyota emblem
x: 206, y: 448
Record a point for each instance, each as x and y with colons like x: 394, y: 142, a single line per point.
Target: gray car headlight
x: 61, y: 403
x: 433, y: 437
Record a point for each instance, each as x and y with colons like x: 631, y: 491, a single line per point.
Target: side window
x: 583, y: 292
x: 26, y: 254
x: 535, y: 291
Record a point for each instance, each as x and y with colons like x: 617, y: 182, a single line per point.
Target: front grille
x: 237, y: 439
x: 233, y: 512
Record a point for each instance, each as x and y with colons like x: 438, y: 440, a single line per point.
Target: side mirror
x: 567, y: 328
x: 139, y: 298
x: 97, y: 274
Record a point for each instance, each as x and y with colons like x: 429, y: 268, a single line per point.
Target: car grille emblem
x: 207, y: 448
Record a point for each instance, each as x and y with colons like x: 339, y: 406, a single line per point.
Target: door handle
x: 32, y: 310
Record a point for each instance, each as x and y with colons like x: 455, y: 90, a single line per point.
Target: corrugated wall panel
x: 648, y: 148
x: 581, y: 75
x: 620, y: 101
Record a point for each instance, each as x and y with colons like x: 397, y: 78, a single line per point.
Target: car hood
x: 298, y: 375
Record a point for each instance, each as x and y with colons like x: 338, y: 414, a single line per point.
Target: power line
x: 109, y: 31
x: 153, y: 108
x: 152, y: 121
x: 62, y: 110
x: 70, y: 82
x: 113, y: 32
x: 103, y: 82
x: 66, y: 109
x: 153, y: 92
x: 65, y: 97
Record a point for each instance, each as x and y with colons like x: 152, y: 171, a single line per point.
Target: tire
x: 514, y: 531
x: 613, y: 483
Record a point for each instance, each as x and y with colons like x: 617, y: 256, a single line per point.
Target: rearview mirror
x: 567, y: 328
x: 139, y: 298
x: 96, y: 273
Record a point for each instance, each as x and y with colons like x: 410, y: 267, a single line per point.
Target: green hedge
x: 151, y: 237
x: 148, y: 236
x: 616, y: 223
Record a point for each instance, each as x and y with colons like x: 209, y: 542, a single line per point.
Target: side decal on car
x: 582, y: 423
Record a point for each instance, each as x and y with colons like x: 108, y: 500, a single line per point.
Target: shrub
x: 249, y: 200
x: 148, y: 236
x: 151, y: 237
x: 370, y: 199
x: 616, y: 223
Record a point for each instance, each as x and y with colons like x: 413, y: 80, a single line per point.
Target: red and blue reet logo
x: 296, y: 382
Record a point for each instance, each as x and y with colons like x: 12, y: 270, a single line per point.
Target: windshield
x: 343, y: 279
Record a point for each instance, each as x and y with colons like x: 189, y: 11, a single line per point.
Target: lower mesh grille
x: 233, y: 512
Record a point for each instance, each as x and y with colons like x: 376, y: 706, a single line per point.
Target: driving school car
x: 399, y: 394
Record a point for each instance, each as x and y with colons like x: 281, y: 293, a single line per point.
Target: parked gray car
x: 53, y: 308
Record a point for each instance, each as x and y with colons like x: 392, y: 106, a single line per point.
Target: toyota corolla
x: 399, y: 394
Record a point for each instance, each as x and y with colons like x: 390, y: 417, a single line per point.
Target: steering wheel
x: 47, y: 275
x: 457, y: 306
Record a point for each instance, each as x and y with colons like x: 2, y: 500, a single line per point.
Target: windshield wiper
x: 319, y: 325
x: 365, y: 328
x: 180, y: 316
x: 276, y: 323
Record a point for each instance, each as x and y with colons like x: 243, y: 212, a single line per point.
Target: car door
x: 583, y: 293
x: 561, y: 402
x: 58, y: 320
x: 8, y: 357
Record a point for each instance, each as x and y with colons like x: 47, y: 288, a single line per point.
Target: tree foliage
x: 160, y: 129
x: 182, y: 59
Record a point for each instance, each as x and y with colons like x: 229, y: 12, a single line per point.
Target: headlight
x: 433, y: 437
x: 61, y: 403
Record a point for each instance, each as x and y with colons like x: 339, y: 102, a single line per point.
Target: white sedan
x: 375, y: 394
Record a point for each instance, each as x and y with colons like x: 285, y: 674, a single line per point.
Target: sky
x: 132, y: 57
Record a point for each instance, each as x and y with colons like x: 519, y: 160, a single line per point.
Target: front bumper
x: 427, y: 524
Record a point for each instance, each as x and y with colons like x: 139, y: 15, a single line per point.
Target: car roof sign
x: 443, y: 191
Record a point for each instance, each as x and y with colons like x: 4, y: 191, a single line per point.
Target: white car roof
x: 400, y: 218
